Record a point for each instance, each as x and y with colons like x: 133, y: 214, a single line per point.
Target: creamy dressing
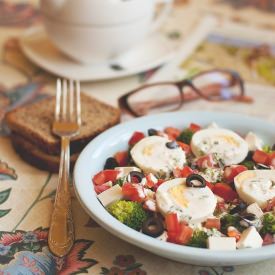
x: 256, y: 186
x: 153, y: 156
x: 226, y: 144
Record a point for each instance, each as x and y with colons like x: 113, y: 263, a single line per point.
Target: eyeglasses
x: 213, y: 85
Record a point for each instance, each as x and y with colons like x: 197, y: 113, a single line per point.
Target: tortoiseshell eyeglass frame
x: 235, y: 80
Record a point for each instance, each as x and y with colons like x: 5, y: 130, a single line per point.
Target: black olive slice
x: 261, y: 166
x: 238, y: 208
x: 195, y: 180
x: 111, y: 163
x: 249, y: 217
x: 152, y: 132
x: 273, y: 147
x: 249, y: 156
x: 172, y: 145
x: 153, y: 227
x: 136, y: 176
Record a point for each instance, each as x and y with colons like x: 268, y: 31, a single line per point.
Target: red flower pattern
x: 124, y: 260
x: 116, y: 271
x: 11, y: 238
x: 42, y: 234
x: 73, y: 261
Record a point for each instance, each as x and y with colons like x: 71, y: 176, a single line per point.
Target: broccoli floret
x: 249, y: 164
x: 185, y: 136
x: 128, y: 212
x: 268, y: 224
x: 198, y: 239
x: 230, y: 220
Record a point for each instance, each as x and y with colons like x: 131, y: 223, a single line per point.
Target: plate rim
x: 182, y: 253
x: 33, y: 57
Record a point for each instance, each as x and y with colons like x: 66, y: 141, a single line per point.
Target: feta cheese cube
x: 221, y: 243
x: 149, y: 193
x: 110, y: 195
x: 255, y: 209
x: 213, y: 125
x: 254, y: 142
x: 250, y: 238
x: 124, y: 171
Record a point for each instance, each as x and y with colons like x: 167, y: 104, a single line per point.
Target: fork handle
x: 61, y: 232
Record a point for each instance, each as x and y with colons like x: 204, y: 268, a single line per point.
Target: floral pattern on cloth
x: 26, y: 253
x: 216, y: 270
x: 124, y: 265
x: 18, y: 14
x: 6, y: 173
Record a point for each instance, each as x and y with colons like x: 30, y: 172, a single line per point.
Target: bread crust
x: 36, y: 157
x: 34, y: 122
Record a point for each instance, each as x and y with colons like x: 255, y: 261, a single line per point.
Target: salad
x: 201, y: 187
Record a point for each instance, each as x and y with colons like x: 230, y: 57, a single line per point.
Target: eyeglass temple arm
x: 187, y: 96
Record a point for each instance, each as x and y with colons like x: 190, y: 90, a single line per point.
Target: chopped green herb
x: 120, y: 181
x: 268, y: 224
x: 198, y: 239
x: 185, y: 136
x: 249, y: 164
x: 230, y: 220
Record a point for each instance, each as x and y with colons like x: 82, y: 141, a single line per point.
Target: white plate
x: 151, y: 53
x: 92, y: 159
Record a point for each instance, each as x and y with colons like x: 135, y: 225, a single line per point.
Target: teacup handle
x: 163, y: 14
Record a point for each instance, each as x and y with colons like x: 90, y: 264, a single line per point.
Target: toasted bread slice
x: 36, y: 157
x: 34, y: 123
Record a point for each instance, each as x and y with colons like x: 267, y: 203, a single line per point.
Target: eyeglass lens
x: 217, y: 85
x: 155, y: 99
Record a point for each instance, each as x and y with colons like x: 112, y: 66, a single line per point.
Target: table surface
x: 27, y: 194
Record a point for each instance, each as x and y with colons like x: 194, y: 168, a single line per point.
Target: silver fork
x: 66, y: 125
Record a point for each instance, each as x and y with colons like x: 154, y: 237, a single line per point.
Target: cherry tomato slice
x: 105, y: 176
x: 122, y: 158
x: 133, y: 192
x: 185, y: 234
x: 135, y: 138
x: 194, y: 127
x: 230, y: 172
x: 225, y: 191
x: 185, y: 147
x: 172, y: 132
x: 213, y: 223
x: 261, y: 157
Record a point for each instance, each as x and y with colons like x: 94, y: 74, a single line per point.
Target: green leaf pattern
x: 6, y: 173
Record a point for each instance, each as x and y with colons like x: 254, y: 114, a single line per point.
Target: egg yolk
x: 177, y: 193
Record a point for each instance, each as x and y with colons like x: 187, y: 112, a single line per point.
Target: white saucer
x: 151, y: 53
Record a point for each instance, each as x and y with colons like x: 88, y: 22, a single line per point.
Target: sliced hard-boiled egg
x: 228, y: 145
x: 256, y: 186
x: 158, y: 155
x: 190, y: 203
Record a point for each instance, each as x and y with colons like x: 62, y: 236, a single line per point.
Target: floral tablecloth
x: 27, y: 194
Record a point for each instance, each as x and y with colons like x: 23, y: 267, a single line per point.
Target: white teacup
x: 94, y: 31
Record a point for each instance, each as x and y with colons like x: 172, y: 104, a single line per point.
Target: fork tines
x: 68, y: 104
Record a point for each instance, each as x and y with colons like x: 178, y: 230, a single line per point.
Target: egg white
x: 229, y: 146
x: 191, y: 204
x: 256, y: 186
x: 153, y: 156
